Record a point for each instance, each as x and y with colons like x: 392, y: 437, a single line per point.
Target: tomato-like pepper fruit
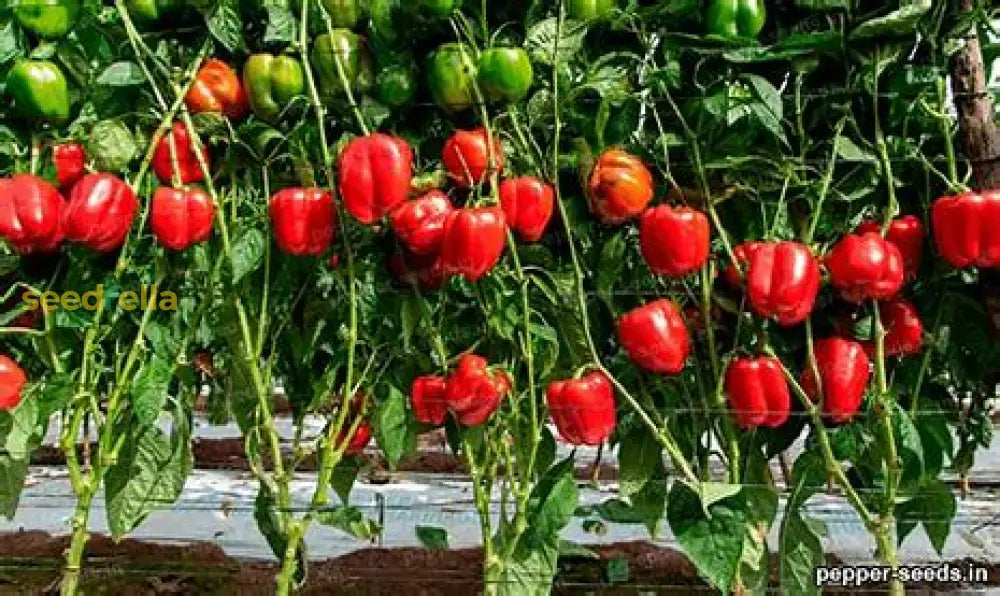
x: 783, y: 280
x: 419, y: 224
x: 188, y: 167
x: 217, y: 88
x: 741, y: 253
x: 505, y: 74
x: 907, y: 233
x: 304, y: 220
x: 45, y: 18
x: 395, y: 85
x: 181, y: 218
x: 655, y: 337
x: 474, y: 392
x: 271, y: 83
x: 619, y: 187
x: 423, y: 271
x: 147, y: 13
x: 904, y: 333
x: 373, y: 175
x: 967, y: 228
x: 30, y: 214
x: 583, y: 409
x: 39, y: 90
x: 590, y: 10
x: 844, y: 370
x: 674, y: 242
x: 70, y: 161
x: 12, y: 381
x: 469, y: 154
x: 355, y: 63
x: 473, y: 241
x: 100, y: 211
x: 427, y: 398
x: 359, y: 440
x: 451, y: 77
x: 527, y: 203
x: 758, y: 392
x: 736, y: 18
x: 865, y: 266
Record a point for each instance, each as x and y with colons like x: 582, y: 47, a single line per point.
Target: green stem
x: 72, y: 569
x: 824, y: 188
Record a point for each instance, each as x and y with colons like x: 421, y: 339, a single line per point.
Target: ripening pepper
x: 423, y: 271
x: 45, y: 18
x: 505, y: 74
x: 470, y: 158
x: 736, y: 18
x: 473, y: 391
x: 907, y: 233
x: 30, y: 214
x: 742, y: 253
x: 473, y: 241
x: 100, y: 211
x: 12, y: 381
x: 419, y: 224
x: 271, y: 83
x: 147, y: 13
x: 583, y: 409
x: 527, y: 202
x: 70, y: 162
x: 344, y: 14
x: 395, y: 85
x: 355, y: 63
x: 590, y: 10
x: 304, y: 220
x: 865, y: 266
x: 188, y: 166
x: 181, y: 218
x: 373, y: 175
x: 904, y: 333
x: 619, y: 187
x: 427, y: 399
x: 844, y: 368
x: 217, y: 88
x: 967, y: 228
x: 782, y: 281
x: 674, y: 242
x: 39, y: 91
x: 655, y: 337
x: 431, y: 10
x: 359, y: 440
x: 451, y: 76
x: 758, y: 392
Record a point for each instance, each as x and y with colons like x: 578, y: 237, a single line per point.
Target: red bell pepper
x: 373, y: 175
x: 30, y: 214
x: 70, y: 161
x: 181, y: 218
x: 419, y: 224
x: 473, y: 241
x: 100, y: 212
x: 844, y: 368
x: 907, y: 233
x: 865, y: 266
x: 359, y: 440
x: 583, y: 409
x: 967, y: 228
x: 674, y: 242
x: 468, y: 156
x: 12, y: 381
x: 422, y: 271
x: 758, y: 392
x: 473, y: 392
x: 188, y: 167
x: 904, y: 333
x: 427, y: 398
x: 619, y: 187
x: 304, y: 220
x: 217, y: 88
x: 655, y: 337
x: 742, y: 253
x: 527, y: 202
x: 782, y: 281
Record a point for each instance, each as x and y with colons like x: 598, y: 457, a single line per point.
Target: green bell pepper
x: 735, y: 18
x: 39, y: 90
x: 395, y: 85
x: 590, y: 10
x: 344, y: 14
x: 355, y: 62
x: 147, y: 13
x: 47, y: 19
x: 505, y: 74
x: 271, y: 82
x: 451, y: 77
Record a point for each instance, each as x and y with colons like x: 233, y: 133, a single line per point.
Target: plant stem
x: 78, y: 541
x: 824, y: 188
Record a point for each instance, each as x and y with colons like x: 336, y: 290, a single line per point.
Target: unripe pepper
x: 655, y: 337
x: 351, y: 51
x: 674, y: 242
x: 188, y: 167
x: 419, y: 224
x: 583, y: 409
x: 100, y: 211
x: 217, y: 88
x: 742, y: 253
x: 758, y: 392
x: 147, y: 13
x: 965, y: 228
x: 904, y: 333
x: 864, y: 267
x: 844, y: 370
x: 39, y: 91
x: 619, y: 188
x: 30, y: 214
x: 505, y: 74
x: 782, y: 281
x: 473, y: 241
x: 427, y: 399
x: 471, y: 156
x: 527, y: 203
x: 45, y: 18
x: 473, y: 391
x: 343, y: 13
x: 395, y: 85
x: 736, y: 18
x: 451, y: 77
x: 181, y: 218
x: 271, y: 83
x: 907, y: 233
x: 590, y: 10
x: 304, y: 220
x: 70, y: 161
x: 12, y: 381
x: 373, y: 175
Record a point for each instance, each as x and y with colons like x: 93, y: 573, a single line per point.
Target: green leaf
x: 848, y: 150
x: 609, y: 269
x: 650, y: 503
x: 801, y: 552
x: 350, y: 520
x: 11, y: 41
x: 149, y: 389
x: 823, y: 5
x: 268, y: 521
x: 226, y: 25
x: 111, y: 145
x: 714, y: 542
x: 768, y: 110
x: 13, y: 472
x: 616, y: 571
x: 432, y: 537
x: 54, y: 394
x: 393, y: 432
x: 280, y: 25
x: 639, y: 459
x: 901, y: 22
x: 122, y: 74
x: 248, y: 253
x: 935, y: 507
x: 344, y: 476
x: 543, y: 41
